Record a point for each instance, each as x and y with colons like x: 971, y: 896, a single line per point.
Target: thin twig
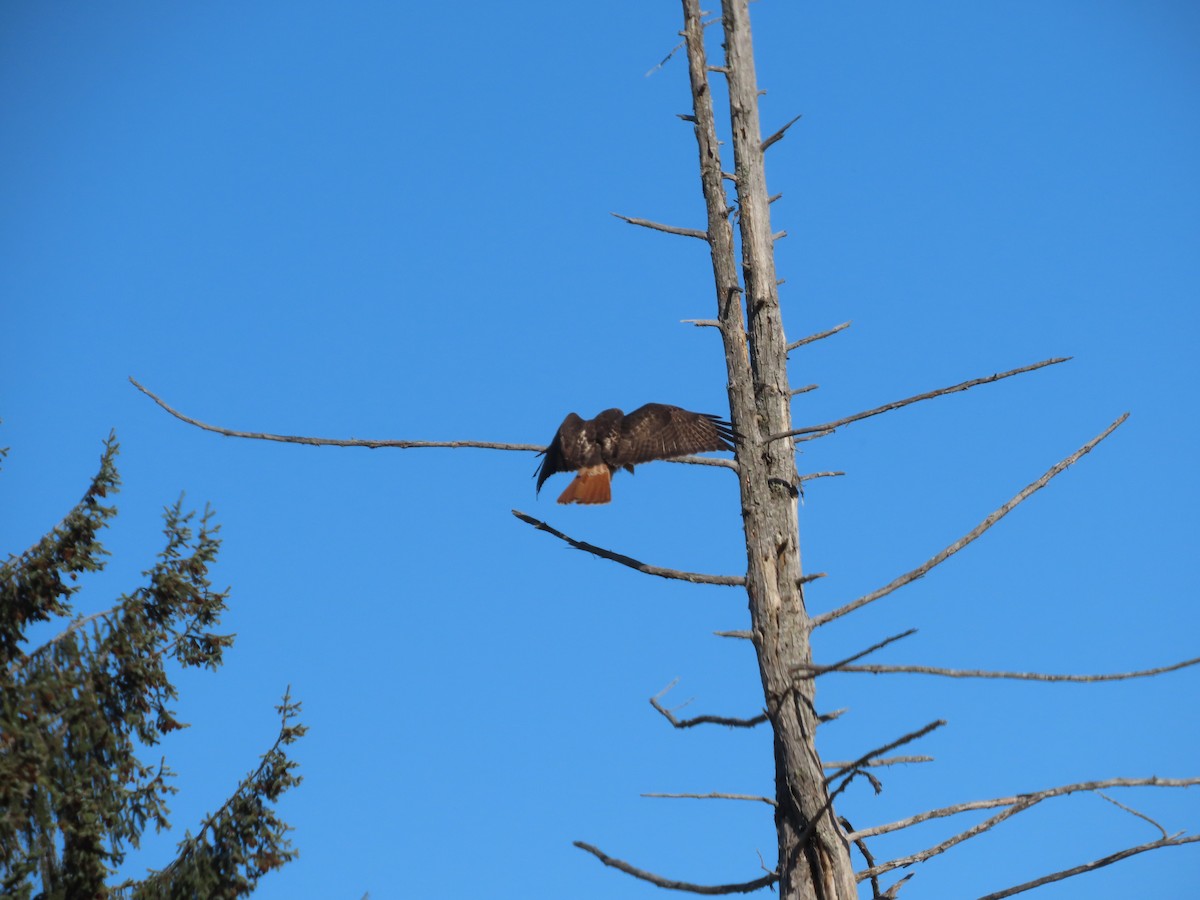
x: 702, y: 323
x: 666, y: 58
x: 694, y: 577
x: 812, y: 475
x: 1091, y: 866
x: 741, y: 634
x: 820, y: 335
x: 1061, y: 790
x: 894, y: 891
x: 1133, y: 812
x: 803, y: 390
x: 979, y: 673
x: 702, y: 720
x: 329, y: 442
x: 715, y: 796
x: 876, y: 763
x: 808, y: 670
x: 966, y: 539
x: 829, y: 427
x: 745, y: 888
x: 669, y: 229
x: 899, y: 742
x: 778, y: 134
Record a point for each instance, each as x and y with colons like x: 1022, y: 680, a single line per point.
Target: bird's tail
x: 592, y: 485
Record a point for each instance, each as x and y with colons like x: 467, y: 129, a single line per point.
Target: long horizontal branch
x: 830, y: 427
x: 694, y: 577
x: 669, y: 229
x: 327, y: 442
x: 970, y: 536
x: 814, y: 670
x: 1061, y: 790
x: 377, y: 444
x: 671, y: 884
x: 1100, y: 863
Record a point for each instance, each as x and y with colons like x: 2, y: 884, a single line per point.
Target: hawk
x: 597, y: 448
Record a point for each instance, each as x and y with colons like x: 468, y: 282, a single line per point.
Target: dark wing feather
x: 658, y: 431
x: 563, y: 452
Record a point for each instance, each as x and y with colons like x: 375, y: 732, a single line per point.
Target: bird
x: 597, y: 448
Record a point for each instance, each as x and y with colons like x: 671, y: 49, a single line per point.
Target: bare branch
x: 808, y: 670
x: 745, y: 888
x: 1059, y: 791
x: 828, y: 427
x: 820, y: 335
x: 778, y: 134
x: 666, y: 59
x: 743, y: 635
x: 329, y: 442
x: 715, y: 796
x: 894, y: 891
x: 1133, y: 812
x: 702, y: 720
x: 983, y: 526
x: 830, y: 716
x: 979, y: 673
x: 718, y: 461
x: 702, y: 323
x: 669, y: 229
x: 876, y: 763
x: 945, y: 845
x: 899, y: 742
x: 401, y: 445
x: 813, y: 475
x: 1091, y: 866
x: 694, y: 577
x: 803, y: 390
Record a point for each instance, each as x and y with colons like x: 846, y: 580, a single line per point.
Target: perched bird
x: 598, y: 447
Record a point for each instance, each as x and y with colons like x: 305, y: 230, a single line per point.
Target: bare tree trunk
x: 814, y: 858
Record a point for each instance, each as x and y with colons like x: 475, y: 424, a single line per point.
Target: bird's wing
x: 658, y: 431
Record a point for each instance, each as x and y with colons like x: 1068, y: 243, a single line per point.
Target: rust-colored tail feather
x: 591, y: 485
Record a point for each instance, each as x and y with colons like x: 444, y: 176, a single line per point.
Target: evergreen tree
x: 74, y: 796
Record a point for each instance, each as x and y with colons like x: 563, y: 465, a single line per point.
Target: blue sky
x: 392, y: 221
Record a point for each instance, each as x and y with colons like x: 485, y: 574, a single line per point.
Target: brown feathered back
x: 615, y: 440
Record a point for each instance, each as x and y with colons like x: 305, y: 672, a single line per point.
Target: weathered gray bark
x: 814, y: 858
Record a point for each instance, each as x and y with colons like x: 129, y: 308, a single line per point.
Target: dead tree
x: 814, y: 846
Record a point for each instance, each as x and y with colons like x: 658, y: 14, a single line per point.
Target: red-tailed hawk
x: 598, y: 447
